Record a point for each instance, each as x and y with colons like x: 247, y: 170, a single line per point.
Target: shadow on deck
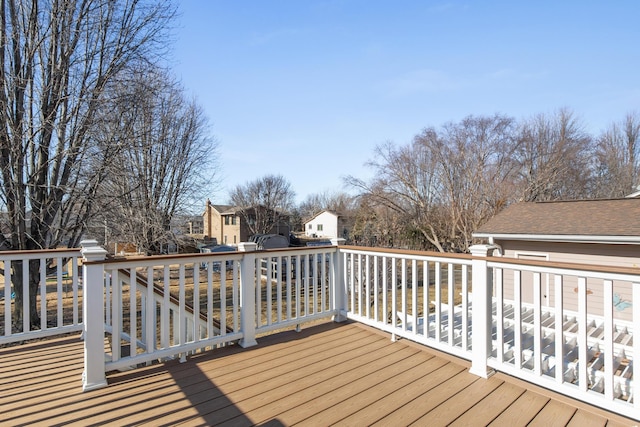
x: 345, y: 374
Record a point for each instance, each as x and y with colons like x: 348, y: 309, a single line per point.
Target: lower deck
x: 345, y: 374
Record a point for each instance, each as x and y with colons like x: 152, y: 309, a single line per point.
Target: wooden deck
x: 345, y: 374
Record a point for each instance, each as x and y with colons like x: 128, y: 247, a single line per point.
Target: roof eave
x: 565, y: 238
x: 320, y: 213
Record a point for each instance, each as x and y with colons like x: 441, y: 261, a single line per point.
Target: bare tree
x: 340, y: 202
x: 445, y: 183
x: 378, y: 225
x: 56, y: 59
x: 618, y: 158
x: 554, y: 153
x: 406, y: 182
x: 164, y: 164
x: 263, y: 202
x: 477, y: 174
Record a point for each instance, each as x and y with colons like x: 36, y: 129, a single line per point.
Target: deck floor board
x: 371, y: 397
x: 553, y: 413
x: 524, y: 409
x: 445, y: 413
x: 342, y: 374
x: 490, y: 407
x: 395, y: 400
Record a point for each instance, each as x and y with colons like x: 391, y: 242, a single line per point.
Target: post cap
x: 91, y: 251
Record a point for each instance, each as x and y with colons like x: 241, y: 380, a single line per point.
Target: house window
x: 225, y: 239
x: 319, y: 227
x: 226, y: 220
x: 234, y: 239
x: 310, y: 226
x: 233, y: 220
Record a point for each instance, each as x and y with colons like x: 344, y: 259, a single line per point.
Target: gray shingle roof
x: 223, y: 208
x: 614, y: 217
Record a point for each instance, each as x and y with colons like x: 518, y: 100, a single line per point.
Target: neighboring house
x: 234, y: 230
x: 600, y: 232
x: 229, y: 225
x: 328, y: 224
x: 213, y: 222
x: 238, y: 223
x: 192, y: 226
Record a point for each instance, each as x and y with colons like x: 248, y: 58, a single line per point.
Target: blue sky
x: 307, y: 89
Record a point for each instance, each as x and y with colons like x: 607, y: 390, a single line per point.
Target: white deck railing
x: 573, y: 334
x: 295, y: 286
x: 58, y: 300
x: 411, y: 295
x: 567, y: 327
x: 155, y: 308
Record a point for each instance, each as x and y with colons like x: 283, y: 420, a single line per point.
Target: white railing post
x: 338, y: 283
x: 93, y: 376
x: 248, y: 301
x: 635, y: 300
x: 481, y: 288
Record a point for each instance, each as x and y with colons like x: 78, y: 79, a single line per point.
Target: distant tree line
x: 273, y: 193
x: 433, y: 192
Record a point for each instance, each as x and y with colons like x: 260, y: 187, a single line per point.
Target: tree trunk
x: 33, y: 290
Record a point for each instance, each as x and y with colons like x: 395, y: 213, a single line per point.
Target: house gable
x: 323, y: 224
x: 328, y: 224
x: 212, y: 221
